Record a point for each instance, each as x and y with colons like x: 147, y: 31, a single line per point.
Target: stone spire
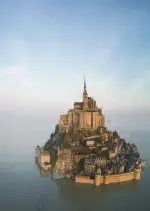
x: 85, y: 91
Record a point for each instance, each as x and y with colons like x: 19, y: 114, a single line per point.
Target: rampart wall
x: 134, y: 175
x: 120, y: 177
x: 84, y: 179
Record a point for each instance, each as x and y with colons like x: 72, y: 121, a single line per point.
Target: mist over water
x: 23, y: 188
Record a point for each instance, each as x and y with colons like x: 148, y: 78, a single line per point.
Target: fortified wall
x: 134, y: 175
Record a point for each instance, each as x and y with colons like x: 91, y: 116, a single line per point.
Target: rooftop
x: 78, y: 103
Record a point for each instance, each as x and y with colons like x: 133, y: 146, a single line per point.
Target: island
x: 83, y: 149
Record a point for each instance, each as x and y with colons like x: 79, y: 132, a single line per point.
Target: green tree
x: 115, y: 134
x: 66, y: 140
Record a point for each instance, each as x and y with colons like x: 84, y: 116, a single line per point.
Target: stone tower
x: 84, y: 115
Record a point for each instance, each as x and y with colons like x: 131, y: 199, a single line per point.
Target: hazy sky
x: 47, y: 46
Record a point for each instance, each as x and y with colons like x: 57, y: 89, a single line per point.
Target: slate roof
x: 78, y: 103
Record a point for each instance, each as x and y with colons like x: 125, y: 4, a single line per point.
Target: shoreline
x: 114, y: 178
x: 134, y: 175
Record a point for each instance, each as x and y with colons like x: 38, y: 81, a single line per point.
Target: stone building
x: 92, y: 162
x: 90, y: 165
x: 44, y: 156
x: 64, y: 163
x: 84, y: 115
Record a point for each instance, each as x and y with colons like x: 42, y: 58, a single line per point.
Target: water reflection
x: 87, y: 196
x: 128, y: 185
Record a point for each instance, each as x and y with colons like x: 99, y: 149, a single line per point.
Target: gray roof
x: 78, y: 103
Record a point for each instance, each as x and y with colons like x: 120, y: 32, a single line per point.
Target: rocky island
x: 83, y: 149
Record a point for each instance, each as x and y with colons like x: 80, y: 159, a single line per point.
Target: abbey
x: 84, y: 115
x: 81, y: 137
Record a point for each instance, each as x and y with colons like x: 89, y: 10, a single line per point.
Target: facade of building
x: 84, y: 115
x: 90, y: 165
x: 64, y: 163
x: 92, y: 162
x: 45, y: 157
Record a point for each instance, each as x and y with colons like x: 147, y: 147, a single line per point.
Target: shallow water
x: 23, y: 187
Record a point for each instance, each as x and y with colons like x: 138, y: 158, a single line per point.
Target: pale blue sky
x: 47, y: 46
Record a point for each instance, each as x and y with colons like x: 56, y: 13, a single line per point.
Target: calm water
x: 24, y: 188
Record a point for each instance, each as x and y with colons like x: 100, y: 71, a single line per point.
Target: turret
x: 97, y: 180
x: 137, y: 173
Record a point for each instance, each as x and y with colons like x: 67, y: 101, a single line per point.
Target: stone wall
x: 84, y: 179
x: 120, y: 177
x: 135, y: 175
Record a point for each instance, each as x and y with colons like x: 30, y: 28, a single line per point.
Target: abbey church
x: 85, y: 115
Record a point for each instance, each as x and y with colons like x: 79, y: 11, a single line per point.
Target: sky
x: 47, y: 46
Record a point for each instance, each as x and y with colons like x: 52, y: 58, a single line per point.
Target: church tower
x: 85, y: 97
